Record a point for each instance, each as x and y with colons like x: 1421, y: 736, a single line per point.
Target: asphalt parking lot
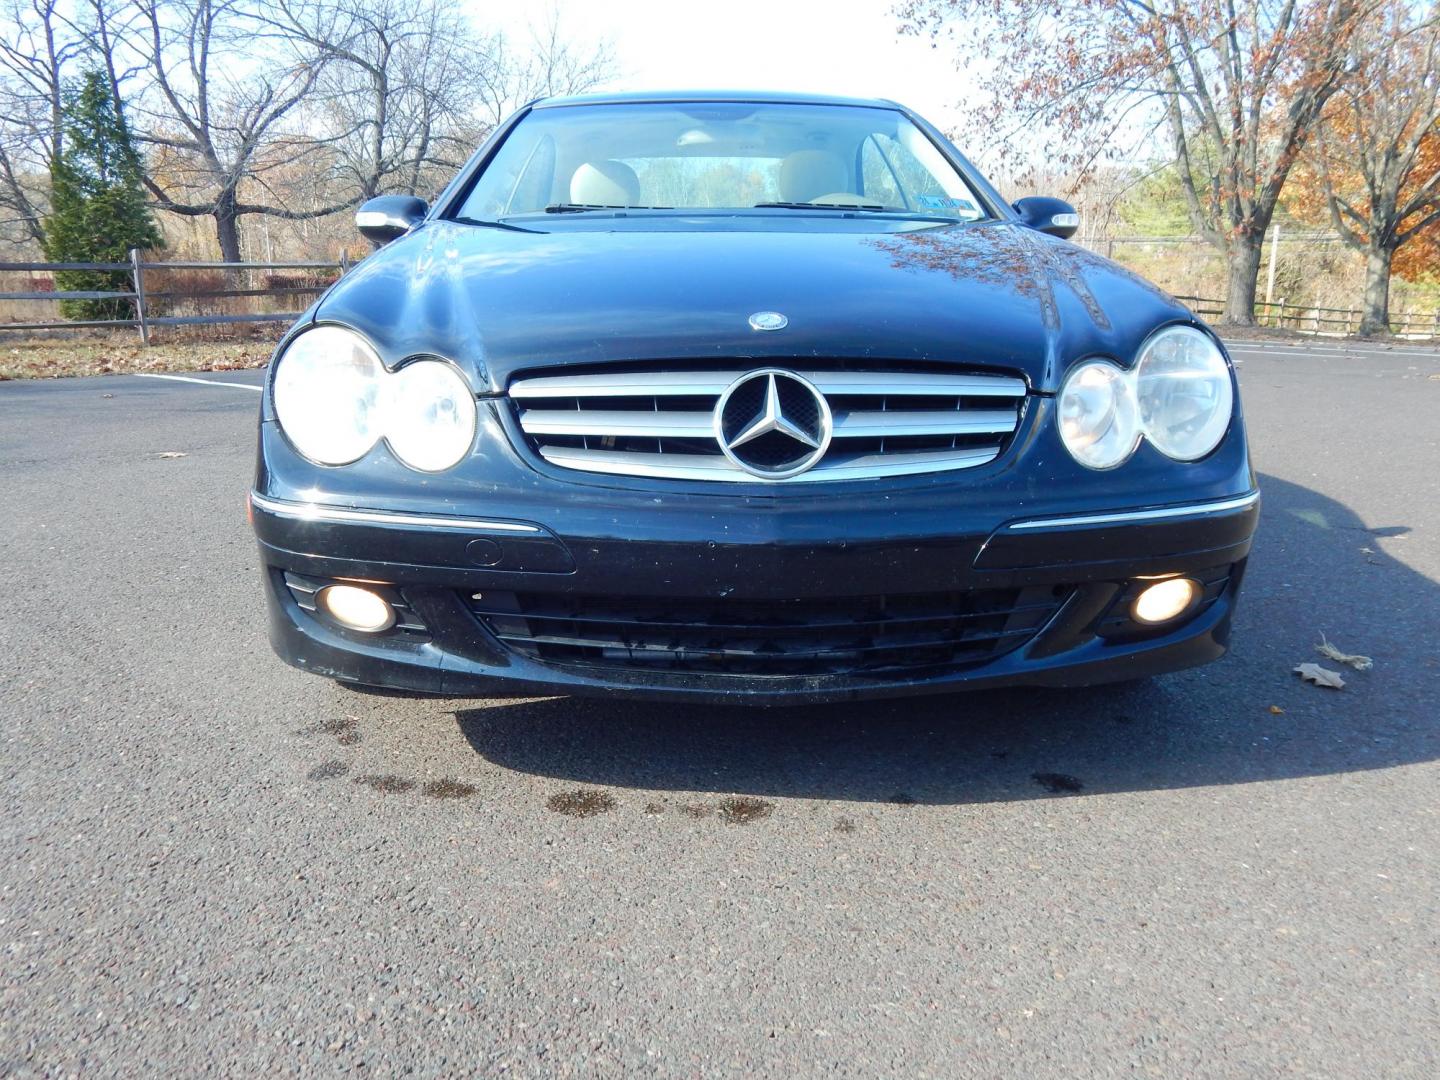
x: 217, y: 865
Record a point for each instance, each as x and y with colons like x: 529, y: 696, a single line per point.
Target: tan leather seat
x: 812, y: 175
x: 605, y: 183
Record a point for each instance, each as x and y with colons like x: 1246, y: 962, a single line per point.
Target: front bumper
x: 434, y: 564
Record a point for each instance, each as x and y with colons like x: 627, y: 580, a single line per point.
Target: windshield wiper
x: 490, y: 224
x: 580, y: 208
x: 817, y: 206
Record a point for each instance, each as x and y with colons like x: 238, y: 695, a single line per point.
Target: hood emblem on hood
x: 773, y: 423
x: 768, y: 320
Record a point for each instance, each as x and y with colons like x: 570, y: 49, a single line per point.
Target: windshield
x: 719, y: 156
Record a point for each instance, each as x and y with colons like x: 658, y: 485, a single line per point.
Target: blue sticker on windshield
x: 948, y: 202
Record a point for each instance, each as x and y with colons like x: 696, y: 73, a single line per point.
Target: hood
x: 991, y: 296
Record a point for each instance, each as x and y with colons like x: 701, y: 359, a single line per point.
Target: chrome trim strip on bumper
x: 321, y: 512
x: 1127, y: 516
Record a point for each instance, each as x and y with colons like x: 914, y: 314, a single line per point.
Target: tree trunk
x: 1242, y: 268
x: 227, y: 227
x: 1375, y: 315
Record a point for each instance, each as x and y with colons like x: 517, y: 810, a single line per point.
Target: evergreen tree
x: 98, y: 210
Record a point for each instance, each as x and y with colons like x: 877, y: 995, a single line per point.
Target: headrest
x: 605, y: 183
x: 808, y: 174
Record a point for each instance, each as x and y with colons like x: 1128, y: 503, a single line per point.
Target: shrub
x: 98, y: 210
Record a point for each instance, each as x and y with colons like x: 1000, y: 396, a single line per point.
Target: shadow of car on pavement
x: 1316, y: 567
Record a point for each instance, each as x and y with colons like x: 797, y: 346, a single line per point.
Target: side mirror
x: 1053, y: 216
x: 386, y: 217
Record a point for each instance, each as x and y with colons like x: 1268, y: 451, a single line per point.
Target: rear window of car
x: 718, y: 156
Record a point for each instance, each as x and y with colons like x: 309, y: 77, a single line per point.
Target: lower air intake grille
x: 781, y: 424
x: 788, y: 637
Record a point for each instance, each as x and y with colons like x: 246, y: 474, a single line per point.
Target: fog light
x: 1165, y: 600
x: 356, y: 608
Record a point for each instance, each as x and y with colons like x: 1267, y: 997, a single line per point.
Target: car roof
x: 652, y: 97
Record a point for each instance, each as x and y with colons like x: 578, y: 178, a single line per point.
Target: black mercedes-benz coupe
x: 744, y: 398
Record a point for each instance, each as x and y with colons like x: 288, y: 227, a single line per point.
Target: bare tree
x: 400, y: 78
x: 218, y: 112
x: 1238, y: 89
x: 288, y: 109
x: 106, y: 25
x: 548, y: 64
x: 37, y: 45
x: 1377, y: 151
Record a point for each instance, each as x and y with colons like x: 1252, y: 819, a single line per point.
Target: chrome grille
x: 661, y: 423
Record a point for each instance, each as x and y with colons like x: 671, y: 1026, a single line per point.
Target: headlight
x: 430, y: 417
x: 1183, y: 386
x: 1098, y: 418
x: 1178, y: 395
x: 335, y: 400
x: 327, y: 395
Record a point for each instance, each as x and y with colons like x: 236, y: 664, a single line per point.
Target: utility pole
x: 1274, y: 258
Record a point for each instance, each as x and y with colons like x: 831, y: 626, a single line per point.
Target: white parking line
x: 201, y: 382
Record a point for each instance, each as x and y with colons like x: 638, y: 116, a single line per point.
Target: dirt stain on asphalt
x: 696, y: 810
x: 328, y: 770
x: 654, y: 808
x: 581, y: 803
x: 448, y: 789
x: 743, y: 810
x: 386, y: 784
x: 1058, y: 783
x: 344, y: 728
x: 845, y: 825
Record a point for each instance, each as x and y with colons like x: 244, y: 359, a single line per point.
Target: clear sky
x: 842, y: 47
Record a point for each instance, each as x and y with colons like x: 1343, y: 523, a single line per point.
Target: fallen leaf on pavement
x: 1320, y: 676
x: 1275, y: 710
x: 1330, y: 652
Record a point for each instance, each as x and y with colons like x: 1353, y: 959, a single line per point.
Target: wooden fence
x: 143, y: 296
x: 1307, y: 319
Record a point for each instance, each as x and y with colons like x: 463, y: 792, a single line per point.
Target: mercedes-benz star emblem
x: 768, y: 320
x: 773, y: 423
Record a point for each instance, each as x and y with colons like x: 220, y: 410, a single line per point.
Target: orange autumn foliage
x: 1372, y: 170
x: 1420, y: 257
x: 1305, y: 199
